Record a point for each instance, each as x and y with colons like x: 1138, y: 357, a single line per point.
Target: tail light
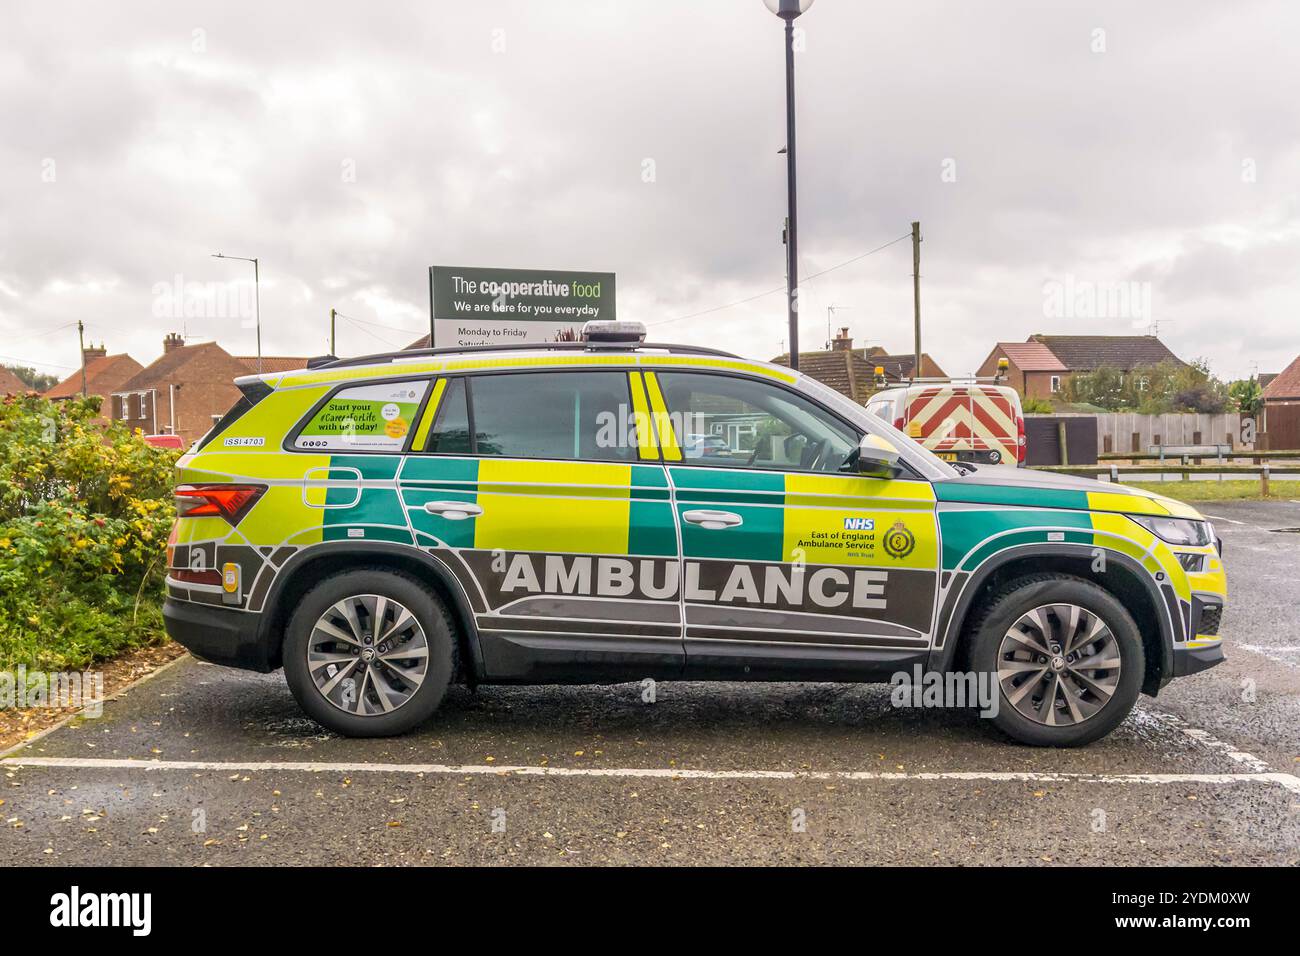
x: 1020, y: 440
x: 899, y: 422
x: 212, y: 578
x: 231, y: 502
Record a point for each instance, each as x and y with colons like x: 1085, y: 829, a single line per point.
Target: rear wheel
x: 369, y: 653
x: 1065, y: 655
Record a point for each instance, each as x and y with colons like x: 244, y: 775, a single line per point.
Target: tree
x: 1246, y: 394
x: 36, y: 381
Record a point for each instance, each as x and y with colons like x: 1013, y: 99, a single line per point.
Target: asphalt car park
x: 205, y: 765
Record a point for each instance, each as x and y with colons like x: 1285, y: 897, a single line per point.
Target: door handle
x: 453, y: 510
x: 713, y: 520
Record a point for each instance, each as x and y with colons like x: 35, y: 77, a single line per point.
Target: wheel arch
x: 1124, y: 578
x: 309, y: 565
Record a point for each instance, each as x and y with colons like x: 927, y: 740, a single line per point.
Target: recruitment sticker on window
x: 367, y: 418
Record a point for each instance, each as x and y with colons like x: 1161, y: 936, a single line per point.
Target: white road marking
x: 1289, y: 781
x: 1219, y: 518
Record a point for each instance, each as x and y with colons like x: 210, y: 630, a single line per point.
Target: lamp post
x: 257, y: 301
x: 788, y: 10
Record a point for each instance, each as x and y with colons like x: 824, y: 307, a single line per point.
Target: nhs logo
x: 859, y: 524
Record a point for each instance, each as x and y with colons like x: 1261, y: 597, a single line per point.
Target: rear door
x: 791, y: 567
x: 540, y: 493
x: 959, y: 420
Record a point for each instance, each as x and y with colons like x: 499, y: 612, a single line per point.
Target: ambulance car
x: 383, y: 527
x: 958, y: 421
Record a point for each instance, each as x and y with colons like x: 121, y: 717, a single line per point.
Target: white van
x: 958, y: 421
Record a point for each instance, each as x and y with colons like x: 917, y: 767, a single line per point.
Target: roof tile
x: 1123, y: 352
x: 1286, y: 385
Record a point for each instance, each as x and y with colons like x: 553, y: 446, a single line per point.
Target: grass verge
x: 1228, y: 490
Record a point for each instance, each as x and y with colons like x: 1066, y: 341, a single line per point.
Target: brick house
x: 1041, y: 365
x: 852, y: 372
x: 187, y: 388
x: 1282, y: 409
x: 105, y: 374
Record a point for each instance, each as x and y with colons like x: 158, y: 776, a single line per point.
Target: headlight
x: 1183, y: 531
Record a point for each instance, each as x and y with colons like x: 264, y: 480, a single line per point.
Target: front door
x: 537, y: 490
x: 791, y: 567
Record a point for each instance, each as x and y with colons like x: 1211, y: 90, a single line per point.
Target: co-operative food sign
x: 474, y: 306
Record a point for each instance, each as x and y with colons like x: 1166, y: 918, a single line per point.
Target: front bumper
x: 218, y: 634
x: 1192, y: 660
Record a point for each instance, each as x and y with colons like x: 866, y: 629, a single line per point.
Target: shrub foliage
x: 85, y: 510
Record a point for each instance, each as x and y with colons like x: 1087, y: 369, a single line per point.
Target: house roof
x: 1286, y: 384
x: 1088, y: 352
x: 900, y: 366
x: 166, y: 367
x: 1030, y: 356
x: 273, y: 363
x: 852, y: 372
x: 11, y: 384
x: 104, y: 375
x: 421, y: 343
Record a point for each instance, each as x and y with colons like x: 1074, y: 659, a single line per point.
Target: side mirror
x: 876, y: 455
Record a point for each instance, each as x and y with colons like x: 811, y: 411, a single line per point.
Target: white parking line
x: 1274, y: 653
x: 1207, y: 740
x: 1289, y: 781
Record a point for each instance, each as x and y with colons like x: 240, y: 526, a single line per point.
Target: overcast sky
x: 1148, y: 151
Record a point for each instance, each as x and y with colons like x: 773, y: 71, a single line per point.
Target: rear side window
x: 564, y: 415
x: 252, y: 394
x: 374, y: 417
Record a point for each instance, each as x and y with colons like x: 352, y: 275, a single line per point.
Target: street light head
x: 788, y: 9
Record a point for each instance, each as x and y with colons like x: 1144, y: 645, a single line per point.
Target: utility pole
x: 792, y: 234
x: 333, y: 314
x: 81, y: 340
x: 916, y: 296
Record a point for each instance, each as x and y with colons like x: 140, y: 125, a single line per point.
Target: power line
x: 34, y: 362
x: 363, y: 328
x: 378, y: 325
x: 781, y: 288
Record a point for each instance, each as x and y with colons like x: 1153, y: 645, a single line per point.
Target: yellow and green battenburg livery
x: 660, y: 555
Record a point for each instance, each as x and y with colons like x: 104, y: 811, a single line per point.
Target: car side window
x: 450, y: 432
x: 574, y: 416
x: 732, y: 422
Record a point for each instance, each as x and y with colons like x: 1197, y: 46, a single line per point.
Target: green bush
x: 1037, y: 406
x: 85, y: 510
x: 1151, y: 389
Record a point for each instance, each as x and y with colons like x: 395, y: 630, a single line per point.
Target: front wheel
x: 1066, y: 656
x: 369, y: 653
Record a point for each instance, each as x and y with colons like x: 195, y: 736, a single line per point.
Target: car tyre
x: 1030, y: 631
x: 348, y: 615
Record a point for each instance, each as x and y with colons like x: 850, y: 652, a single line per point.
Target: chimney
x: 92, y: 352
x: 173, y: 340
x: 842, y: 342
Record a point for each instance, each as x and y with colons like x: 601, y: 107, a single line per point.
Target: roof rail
x: 380, y: 357
x: 955, y: 379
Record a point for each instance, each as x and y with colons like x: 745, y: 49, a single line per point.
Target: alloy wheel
x: 367, y: 655
x: 1059, y: 665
